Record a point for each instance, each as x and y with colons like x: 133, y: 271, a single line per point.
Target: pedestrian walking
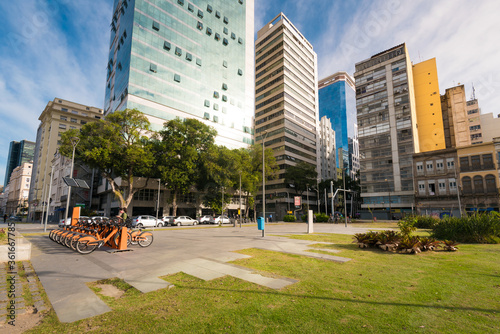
x: 4, y: 218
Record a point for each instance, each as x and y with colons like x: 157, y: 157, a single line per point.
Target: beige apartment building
x: 455, y: 118
x: 58, y: 116
x: 19, y: 185
x: 286, y: 107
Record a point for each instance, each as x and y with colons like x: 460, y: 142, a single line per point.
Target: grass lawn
x: 375, y: 292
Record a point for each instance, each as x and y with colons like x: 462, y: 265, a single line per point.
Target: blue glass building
x: 186, y: 59
x: 337, y: 101
x: 19, y: 153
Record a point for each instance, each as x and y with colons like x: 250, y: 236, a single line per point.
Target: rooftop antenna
x: 419, y: 57
x: 473, y: 97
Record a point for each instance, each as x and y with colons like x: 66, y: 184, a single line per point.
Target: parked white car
x: 222, y: 220
x: 184, y: 220
x: 146, y: 221
x: 207, y: 220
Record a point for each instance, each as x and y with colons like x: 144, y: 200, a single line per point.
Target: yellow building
x: 479, y: 177
x: 428, y: 106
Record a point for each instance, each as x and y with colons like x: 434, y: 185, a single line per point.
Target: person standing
x: 4, y: 218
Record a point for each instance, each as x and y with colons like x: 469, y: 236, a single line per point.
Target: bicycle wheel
x: 86, y: 247
x: 74, y: 242
x: 129, y: 238
x: 145, y: 239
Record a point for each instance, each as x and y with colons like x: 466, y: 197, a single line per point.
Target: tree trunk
x: 174, y: 203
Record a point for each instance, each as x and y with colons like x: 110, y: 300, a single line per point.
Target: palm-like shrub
x: 427, y: 243
x: 478, y: 228
x: 409, y: 245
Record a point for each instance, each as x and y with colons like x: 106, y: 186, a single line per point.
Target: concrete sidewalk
x: 202, y: 253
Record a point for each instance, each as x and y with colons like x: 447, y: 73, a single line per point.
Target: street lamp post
x: 240, y: 202
x: 158, y: 202
x: 48, y: 199
x: 74, y: 142
x: 264, y: 182
x: 307, y: 194
x: 345, y: 199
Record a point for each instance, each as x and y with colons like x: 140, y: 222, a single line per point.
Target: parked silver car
x: 146, y: 221
x: 185, y: 220
x: 168, y: 220
x: 207, y: 220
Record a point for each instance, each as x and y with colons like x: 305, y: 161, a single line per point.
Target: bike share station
x: 86, y: 235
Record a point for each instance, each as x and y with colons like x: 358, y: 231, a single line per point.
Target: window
x: 156, y: 26
x: 189, y: 56
x: 167, y: 46
x: 209, y: 31
x: 209, y: 8
x: 180, y: 2
x: 217, y: 36
x: 200, y: 13
x: 207, y: 103
x: 216, y: 106
x: 420, y: 167
x: 491, y: 186
x: 216, y: 94
x: 488, y: 161
x: 83, y: 122
x: 439, y: 165
x: 225, y: 41
x: 450, y: 163
x: 178, y: 51
x: 240, y: 40
x: 198, y: 61
x: 241, y: 2
x: 233, y: 35
x: 240, y: 71
x: 467, y: 185
x: 217, y: 14
x: 62, y: 126
x: 224, y: 63
x: 478, y: 184
x: 216, y: 119
x: 225, y: 20
x: 191, y: 7
x: 429, y: 166
x: 153, y: 68
x: 64, y: 118
x: 224, y: 98
x: 476, y: 162
x: 206, y: 116
x: 177, y: 78
x: 442, y: 186
x: 199, y: 25
x: 119, y: 67
x: 464, y: 164
x: 74, y: 120
x: 224, y: 110
x: 224, y: 86
x: 64, y: 109
x: 475, y: 127
x: 432, y: 188
x: 225, y: 31
x: 452, y: 183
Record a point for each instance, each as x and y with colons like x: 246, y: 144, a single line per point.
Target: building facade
x: 479, y: 177
x: 436, y: 183
x: 19, y: 153
x: 388, y: 136
x: 455, y: 117
x: 328, y: 164
x: 286, y: 111
x: 58, y: 116
x: 337, y: 101
x: 184, y: 59
x: 490, y: 127
x: 19, y: 185
x: 475, y: 121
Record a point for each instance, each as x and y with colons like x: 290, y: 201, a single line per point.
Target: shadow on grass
x: 374, y: 303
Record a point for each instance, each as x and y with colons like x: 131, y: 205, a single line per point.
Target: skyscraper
x: 388, y: 136
x: 286, y: 111
x: 19, y: 153
x: 187, y: 59
x: 337, y: 101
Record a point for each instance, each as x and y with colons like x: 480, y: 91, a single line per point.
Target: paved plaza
x: 200, y: 252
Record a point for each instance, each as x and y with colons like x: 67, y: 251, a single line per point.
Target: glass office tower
x: 186, y: 59
x: 337, y: 101
x: 19, y: 153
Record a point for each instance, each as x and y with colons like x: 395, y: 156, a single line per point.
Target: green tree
x: 181, y: 149
x: 301, y: 175
x: 118, y: 147
x: 255, y: 175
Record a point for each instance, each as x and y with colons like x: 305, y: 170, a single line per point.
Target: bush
x: 321, y: 218
x: 426, y: 222
x: 479, y: 228
x: 289, y: 218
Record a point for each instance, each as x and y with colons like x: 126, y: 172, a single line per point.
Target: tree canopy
x: 301, y: 175
x: 117, y: 146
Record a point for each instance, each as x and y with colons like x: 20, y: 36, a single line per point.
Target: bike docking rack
x: 86, y: 235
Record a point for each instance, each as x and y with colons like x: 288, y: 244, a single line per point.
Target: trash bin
x: 260, y: 223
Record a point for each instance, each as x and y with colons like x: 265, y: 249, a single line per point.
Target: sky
x: 59, y: 48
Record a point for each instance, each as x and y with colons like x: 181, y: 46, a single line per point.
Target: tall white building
x: 328, y: 164
x: 286, y: 110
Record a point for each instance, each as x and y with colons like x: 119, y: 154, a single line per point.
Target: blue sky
x: 58, y: 48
